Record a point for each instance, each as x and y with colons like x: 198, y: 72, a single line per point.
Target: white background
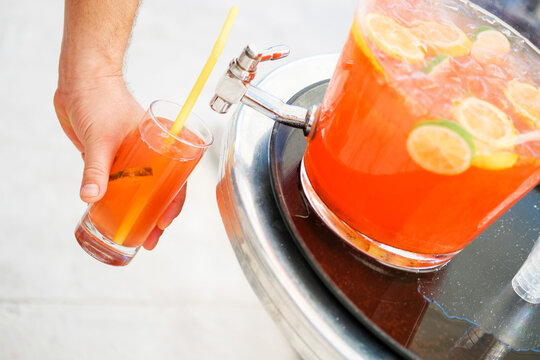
x: 188, y: 299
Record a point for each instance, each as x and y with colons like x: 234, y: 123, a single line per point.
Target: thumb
x: 98, y: 157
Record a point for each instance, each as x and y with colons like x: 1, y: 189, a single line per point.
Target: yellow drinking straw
x: 136, y: 208
x: 205, y: 73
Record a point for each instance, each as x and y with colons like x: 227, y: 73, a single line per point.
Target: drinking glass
x: 526, y: 282
x: 149, y: 169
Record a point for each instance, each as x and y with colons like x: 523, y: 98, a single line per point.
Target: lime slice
x: 485, y: 122
x: 475, y: 33
x: 392, y: 38
x: 441, y: 146
x: 525, y: 98
x: 436, y: 65
x: 489, y: 46
x: 442, y: 38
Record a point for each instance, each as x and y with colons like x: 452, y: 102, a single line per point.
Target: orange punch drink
x: 149, y: 170
x: 429, y: 130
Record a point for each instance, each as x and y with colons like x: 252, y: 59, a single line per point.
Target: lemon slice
x: 440, y: 146
x: 485, y: 122
x: 525, y: 98
x: 496, y: 161
x: 445, y: 39
x: 489, y: 46
x: 489, y: 158
x: 493, y: 131
x: 392, y: 38
x: 360, y: 40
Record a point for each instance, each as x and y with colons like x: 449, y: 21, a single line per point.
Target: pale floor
x: 188, y: 299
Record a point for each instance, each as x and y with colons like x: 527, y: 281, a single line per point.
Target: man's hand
x: 96, y: 115
x: 93, y: 105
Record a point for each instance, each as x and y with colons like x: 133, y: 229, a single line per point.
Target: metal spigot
x: 235, y: 87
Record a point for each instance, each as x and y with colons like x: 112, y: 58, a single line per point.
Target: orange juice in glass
x: 428, y: 132
x: 149, y: 170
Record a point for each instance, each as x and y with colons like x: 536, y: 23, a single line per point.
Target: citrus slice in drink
x: 360, y: 40
x: 442, y: 38
x: 392, y: 38
x: 441, y: 146
x: 486, y: 157
x: 489, y: 47
x: 496, y: 161
x: 525, y: 98
x: 437, y: 65
x: 475, y: 33
x: 485, y: 122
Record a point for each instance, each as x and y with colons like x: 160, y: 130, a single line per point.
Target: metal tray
x: 464, y: 310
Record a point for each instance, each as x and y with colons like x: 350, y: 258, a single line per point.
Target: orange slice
x: 443, y: 39
x: 525, y: 98
x: 392, y: 38
x: 440, y: 146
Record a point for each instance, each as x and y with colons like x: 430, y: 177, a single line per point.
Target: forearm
x: 96, y: 35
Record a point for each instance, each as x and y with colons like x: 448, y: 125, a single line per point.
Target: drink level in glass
x: 148, y: 171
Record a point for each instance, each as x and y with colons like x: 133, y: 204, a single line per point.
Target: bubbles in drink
x: 418, y: 145
x: 188, y: 146
x: 439, y: 53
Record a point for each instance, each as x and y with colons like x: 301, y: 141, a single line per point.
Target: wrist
x: 96, y: 34
x: 74, y: 85
x: 74, y: 68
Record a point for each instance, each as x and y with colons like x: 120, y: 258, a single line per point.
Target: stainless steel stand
x: 313, y: 320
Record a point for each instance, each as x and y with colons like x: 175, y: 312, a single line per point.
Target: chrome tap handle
x: 234, y: 87
x: 245, y: 65
x: 272, y: 53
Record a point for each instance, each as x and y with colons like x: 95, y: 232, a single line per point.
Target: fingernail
x: 164, y: 223
x: 89, y: 190
x: 153, y: 239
